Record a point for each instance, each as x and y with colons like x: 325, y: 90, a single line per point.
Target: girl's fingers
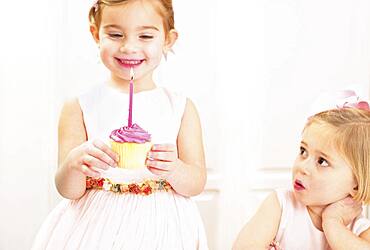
x: 157, y: 171
x: 100, y: 155
x: 164, y: 147
x: 102, y: 146
x: 89, y: 172
x: 94, y: 162
x: 158, y: 165
x: 162, y: 156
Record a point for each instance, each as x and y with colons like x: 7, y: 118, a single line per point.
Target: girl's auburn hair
x: 163, y: 7
x: 351, y: 137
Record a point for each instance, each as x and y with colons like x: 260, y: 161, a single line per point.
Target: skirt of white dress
x: 106, y: 220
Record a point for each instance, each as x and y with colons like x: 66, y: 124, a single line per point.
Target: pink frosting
x: 130, y: 134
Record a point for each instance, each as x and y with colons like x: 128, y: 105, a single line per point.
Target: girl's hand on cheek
x: 90, y: 157
x: 343, y: 211
x: 162, y: 159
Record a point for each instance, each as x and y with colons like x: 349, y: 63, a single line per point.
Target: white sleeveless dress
x: 106, y: 220
x: 296, y: 230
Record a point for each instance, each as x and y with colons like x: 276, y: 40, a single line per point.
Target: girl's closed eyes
x: 115, y: 35
x: 146, y: 37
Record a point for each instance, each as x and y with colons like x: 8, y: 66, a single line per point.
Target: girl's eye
x: 115, y: 35
x: 322, y: 162
x: 302, y: 151
x: 146, y: 37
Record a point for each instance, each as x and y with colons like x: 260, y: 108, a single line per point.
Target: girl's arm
x: 335, y: 217
x: 261, y: 230
x: 75, y: 155
x: 339, y: 237
x: 189, y: 178
x: 184, y: 170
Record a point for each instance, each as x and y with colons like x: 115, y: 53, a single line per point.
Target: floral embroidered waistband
x: 275, y: 246
x: 144, y: 188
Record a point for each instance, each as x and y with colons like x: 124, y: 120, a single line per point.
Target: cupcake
x: 132, y: 144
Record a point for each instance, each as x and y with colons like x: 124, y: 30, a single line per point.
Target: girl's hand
x: 343, y: 211
x: 162, y: 159
x: 90, y: 155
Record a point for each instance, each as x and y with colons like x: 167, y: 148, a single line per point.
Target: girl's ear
x: 170, y: 40
x: 354, y: 191
x: 95, y: 33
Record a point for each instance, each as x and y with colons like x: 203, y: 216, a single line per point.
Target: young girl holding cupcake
x: 331, y: 180
x: 130, y: 153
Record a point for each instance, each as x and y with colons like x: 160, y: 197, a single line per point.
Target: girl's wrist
x: 72, y: 169
x: 331, y: 222
x: 173, y: 175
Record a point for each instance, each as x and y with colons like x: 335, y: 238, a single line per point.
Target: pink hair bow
x: 351, y: 100
x: 96, y: 5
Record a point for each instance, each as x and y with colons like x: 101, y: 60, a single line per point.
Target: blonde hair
x: 163, y: 7
x: 352, y: 140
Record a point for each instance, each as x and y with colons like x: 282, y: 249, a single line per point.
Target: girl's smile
x: 129, y: 63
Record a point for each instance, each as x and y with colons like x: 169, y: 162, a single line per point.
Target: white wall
x: 286, y: 54
x: 252, y: 68
x: 27, y: 118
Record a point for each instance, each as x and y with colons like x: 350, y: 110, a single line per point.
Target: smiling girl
x: 107, y: 207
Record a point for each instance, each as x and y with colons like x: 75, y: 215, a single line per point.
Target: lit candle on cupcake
x: 131, y: 142
x: 131, y: 97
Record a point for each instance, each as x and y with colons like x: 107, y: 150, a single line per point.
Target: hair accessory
x: 336, y: 100
x: 351, y: 100
x: 96, y: 5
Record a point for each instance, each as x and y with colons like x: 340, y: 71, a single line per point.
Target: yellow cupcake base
x: 131, y: 155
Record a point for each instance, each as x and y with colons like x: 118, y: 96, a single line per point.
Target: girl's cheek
x: 320, y: 185
x: 105, y: 55
x: 154, y: 49
x: 107, y: 43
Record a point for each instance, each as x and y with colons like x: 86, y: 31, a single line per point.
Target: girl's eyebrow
x: 138, y: 28
x: 147, y: 27
x: 318, y: 151
x: 325, y: 155
x: 112, y: 26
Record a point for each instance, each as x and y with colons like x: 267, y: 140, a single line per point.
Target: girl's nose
x: 128, y: 47
x: 304, y: 167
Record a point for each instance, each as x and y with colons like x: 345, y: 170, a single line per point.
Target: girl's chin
x: 313, y: 204
x: 124, y: 75
x: 302, y: 198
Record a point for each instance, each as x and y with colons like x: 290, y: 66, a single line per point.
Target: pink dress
x: 296, y: 230
x: 106, y: 220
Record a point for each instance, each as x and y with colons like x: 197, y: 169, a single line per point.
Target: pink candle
x: 131, y: 96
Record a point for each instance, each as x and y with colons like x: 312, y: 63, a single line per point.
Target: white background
x: 253, y: 68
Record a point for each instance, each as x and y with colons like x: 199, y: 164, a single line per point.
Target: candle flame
x: 132, y: 74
